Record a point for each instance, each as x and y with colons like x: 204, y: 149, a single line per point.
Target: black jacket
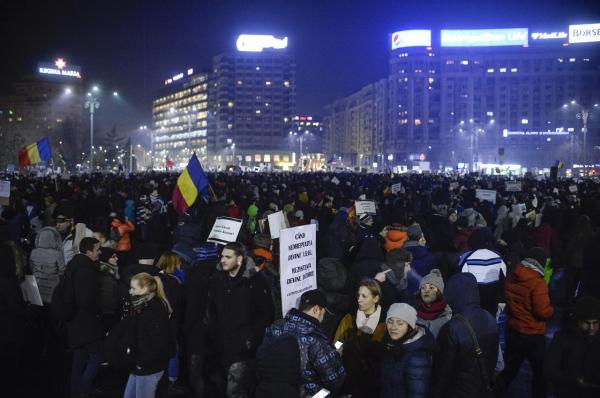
x: 86, y: 327
x: 240, y: 308
x: 455, y: 370
x: 573, y: 355
x: 278, y: 369
x: 196, y: 297
x: 155, y: 340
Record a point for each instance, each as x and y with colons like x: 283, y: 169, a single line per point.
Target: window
x: 257, y: 157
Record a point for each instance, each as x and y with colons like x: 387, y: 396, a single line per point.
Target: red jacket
x: 527, y: 301
x: 124, y: 244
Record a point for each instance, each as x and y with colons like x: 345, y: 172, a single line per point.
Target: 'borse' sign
x: 225, y: 230
x: 298, y: 259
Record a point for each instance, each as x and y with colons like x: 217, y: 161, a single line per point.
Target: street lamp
x: 92, y: 104
x: 584, y: 115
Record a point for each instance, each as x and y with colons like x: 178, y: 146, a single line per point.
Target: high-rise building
x: 252, y: 99
x: 180, y: 119
x: 355, y: 126
x: 485, y: 96
x: 46, y: 103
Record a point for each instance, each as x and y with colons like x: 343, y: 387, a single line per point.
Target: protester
x: 393, y: 277
x: 239, y: 310
x: 47, y: 261
x: 360, y: 333
x: 422, y: 259
x: 407, y: 351
x: 111, y: 293
x: 432, y: 310
x: 456, y: 371
x: 320, y: 364
x: 154, y: 341
x: 528, y: 308
x: 573, y: 361
x: 85, y: 330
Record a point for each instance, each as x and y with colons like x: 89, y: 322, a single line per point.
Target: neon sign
x: 485, y: 37
x: 257, y: 43
x: 549, y: 35
x: 411, y: 38
x: 59, y: 68
x: 584, y: 33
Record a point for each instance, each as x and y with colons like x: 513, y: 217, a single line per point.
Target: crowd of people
x: 437, y: 294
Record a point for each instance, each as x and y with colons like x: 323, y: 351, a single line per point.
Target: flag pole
x: 54, y: 174
x: 210, y: 188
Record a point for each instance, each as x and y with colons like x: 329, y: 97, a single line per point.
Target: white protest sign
x: 365, y: 207
x: 513, y: 186
x: 4, y: 192
x: 276, y: 224
x: 225, y: 230
x: 486, y: 194
x: 31, y: 291
x: 573, y: 188
x: 396, y: 188
x: 298, y: 264
x: 335, y: 180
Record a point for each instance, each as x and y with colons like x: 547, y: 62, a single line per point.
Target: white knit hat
x: 403, y: 311
x: 434, y: 277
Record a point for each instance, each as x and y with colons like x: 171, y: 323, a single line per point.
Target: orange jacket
x: 527, y: 301
x: 395, y: 239
x: 124, y: 244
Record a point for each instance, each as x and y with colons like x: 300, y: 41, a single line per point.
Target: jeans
x: 173, y: 368
x: 518, y: 348
x: 142, y: 386
x: 85, y: 367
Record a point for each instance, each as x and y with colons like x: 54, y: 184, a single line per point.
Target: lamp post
x: 92, y: 104
x: 584, y: 115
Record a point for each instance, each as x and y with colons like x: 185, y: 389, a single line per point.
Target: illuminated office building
x: 46, y: 103
x: 252, y: 99
x: 180, y: 119
x: 514, y: 95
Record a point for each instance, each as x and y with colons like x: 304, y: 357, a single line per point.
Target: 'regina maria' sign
x: 59, y: 68
x: 257, y: 43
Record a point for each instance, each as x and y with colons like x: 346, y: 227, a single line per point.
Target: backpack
x: 114, y: 234
x: 62, y: 306
x: 120, y: 347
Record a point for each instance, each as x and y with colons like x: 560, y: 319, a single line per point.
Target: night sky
x: 134, y: 45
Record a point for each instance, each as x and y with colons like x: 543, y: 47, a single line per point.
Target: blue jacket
x: 130, y: 210
x: 320, y: 363
x: 422, y: 263
x: 406, y: 367
x: 455, y: 370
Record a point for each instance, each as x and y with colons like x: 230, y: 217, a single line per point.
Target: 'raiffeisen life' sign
x: 59, y: 68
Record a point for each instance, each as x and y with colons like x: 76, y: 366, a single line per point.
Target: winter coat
x: 455, y: 371
x: 86, y: 327
x: 240, y: 308
x: 395, y: 239
x: 367, y: 263
x: 573, y: 355
x: 196, y: 298
x: 111, y: 292
x: 422, y: 263
x: 406, y: 367
x: 434, y: 325
x: 155, y: 342
x: 332, y: 278
x: 547, y: 238
x: 47, y: 261
x: 461, y: 239
x: 490, y: 272
x: 527, y: 301
x: 124, y: 244
x: 360, y: 356
x: 12, y: 305
x: 278, y: 369
x: 320, y: 363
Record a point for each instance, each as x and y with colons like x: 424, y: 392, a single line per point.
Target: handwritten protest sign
x: 225, y: 230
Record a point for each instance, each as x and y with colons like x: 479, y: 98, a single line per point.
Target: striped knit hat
x: 206, y: 251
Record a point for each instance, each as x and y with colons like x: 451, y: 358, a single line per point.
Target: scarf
x: 432, y: 311
x: 367, y: 324
x: 140, y: 302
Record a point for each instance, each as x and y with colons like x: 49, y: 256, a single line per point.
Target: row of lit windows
x: 257, y: 158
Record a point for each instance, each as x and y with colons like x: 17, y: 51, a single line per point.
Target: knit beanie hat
x: 587, y: 308
x: 414, y: 232
x: 262, y: 240
x: 105, y: 254
x: 206, y: 251
x: 538, y: 254
x: 434, y: 278
x: 403, y: 311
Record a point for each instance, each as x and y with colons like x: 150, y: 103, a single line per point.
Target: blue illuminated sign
x: 485, y: 37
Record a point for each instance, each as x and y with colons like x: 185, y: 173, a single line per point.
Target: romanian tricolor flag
x: 35, y: 153
x: 192, y: 181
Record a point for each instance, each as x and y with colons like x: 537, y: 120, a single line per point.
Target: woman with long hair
x: 154, y: 341
x: 360, y: 333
